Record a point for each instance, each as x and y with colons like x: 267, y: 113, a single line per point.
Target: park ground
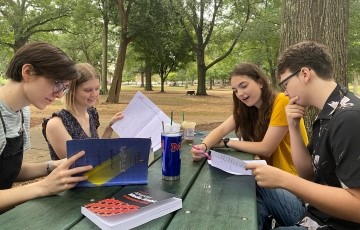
x: 204, y: 110
x: 207, y: 111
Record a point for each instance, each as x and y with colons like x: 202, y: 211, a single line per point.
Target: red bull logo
x: 175, y: 147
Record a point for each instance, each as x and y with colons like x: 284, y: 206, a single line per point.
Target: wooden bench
x: 190, y: 92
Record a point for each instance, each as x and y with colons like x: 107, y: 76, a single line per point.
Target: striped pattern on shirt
x: 13, y: 124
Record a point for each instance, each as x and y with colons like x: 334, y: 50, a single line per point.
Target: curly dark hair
x: 308, y: 54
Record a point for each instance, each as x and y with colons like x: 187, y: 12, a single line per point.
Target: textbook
x: 115, y: 161
x: 130, y: 207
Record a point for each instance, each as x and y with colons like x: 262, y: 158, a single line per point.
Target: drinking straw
x: 183, y: 116
x: 163, y: 129
x: 171, y: 118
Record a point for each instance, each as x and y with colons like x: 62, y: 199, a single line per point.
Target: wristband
x: 206, y: 148
x: 226, y: 140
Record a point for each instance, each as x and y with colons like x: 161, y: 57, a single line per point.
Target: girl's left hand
x: 116, y: 117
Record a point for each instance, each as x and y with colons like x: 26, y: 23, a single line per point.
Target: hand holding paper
x: 268, y: 176
x: 231, y: 164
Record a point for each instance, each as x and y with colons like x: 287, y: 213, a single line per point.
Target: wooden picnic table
x: 212, y: 199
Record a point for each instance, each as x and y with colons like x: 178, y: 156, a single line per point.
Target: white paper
x: 231, y: 164
x: 142, y: 118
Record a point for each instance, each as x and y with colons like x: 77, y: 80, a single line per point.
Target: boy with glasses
x: 329, y: 167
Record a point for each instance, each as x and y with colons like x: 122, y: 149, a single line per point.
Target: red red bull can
x: 171, y: 159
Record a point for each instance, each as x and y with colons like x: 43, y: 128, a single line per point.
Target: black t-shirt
x: 335, y: 150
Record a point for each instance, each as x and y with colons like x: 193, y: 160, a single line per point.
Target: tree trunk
x: 142, y: 80
x: 356, y: 83
x: 148, y: 86
x: 201, y: 71
x: 325, y: 22
x: 162, y: 90
x: 104, y: 59
x: 114, y: 93
x: 124, y: 13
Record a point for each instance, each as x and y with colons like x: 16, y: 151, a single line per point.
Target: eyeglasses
x: 283, y: 84
x: 59, y: 86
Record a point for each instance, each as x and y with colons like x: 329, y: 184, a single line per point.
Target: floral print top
x: 73, y: 126
x: 335, y: 150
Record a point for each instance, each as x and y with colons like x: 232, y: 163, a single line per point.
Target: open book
x: 231, y: 164
x: 115, y: 161
x: 131, y: 207
x: 142, y: 118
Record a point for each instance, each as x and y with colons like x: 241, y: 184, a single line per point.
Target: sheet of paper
x: 142, y: 118
x: 231, y: 164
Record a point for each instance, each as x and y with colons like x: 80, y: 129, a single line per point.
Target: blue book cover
x: 115, y: 161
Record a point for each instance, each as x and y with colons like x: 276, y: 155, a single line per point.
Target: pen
x: 207, y: 155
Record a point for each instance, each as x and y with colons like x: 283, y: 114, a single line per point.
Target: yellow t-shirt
x: 281, y: 157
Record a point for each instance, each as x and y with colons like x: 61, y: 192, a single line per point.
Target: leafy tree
x: 83, y: 40
x: 127, y: 35
x: 161, y: 44
x: 204, y: 18
x: 261, y: 38
x: 22, y: 19
x: 104, y: 9
x: 354, y: 37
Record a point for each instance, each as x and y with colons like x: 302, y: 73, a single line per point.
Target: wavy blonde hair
x: 86, y: 72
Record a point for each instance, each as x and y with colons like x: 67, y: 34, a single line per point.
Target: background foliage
x: 169, y: 41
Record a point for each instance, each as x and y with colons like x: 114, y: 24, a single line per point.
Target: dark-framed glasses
x: 283, y: 83
x: 60, y: 86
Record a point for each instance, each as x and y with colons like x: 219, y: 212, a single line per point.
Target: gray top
x: 13, y: 125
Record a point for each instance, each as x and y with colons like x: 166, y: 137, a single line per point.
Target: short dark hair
x: 309, y: 54
x: 46, y: 59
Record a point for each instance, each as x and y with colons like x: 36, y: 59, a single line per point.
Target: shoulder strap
x: 44, y: 123
x: 3, y: 122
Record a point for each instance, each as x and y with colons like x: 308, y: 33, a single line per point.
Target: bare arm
x: 338, y: 202
x: 273, y: 136
x: 57, y: 135
x: 108, y: 130
x: 30, y: 171
x: 299, y: 152
x: 213, y: 138
x: 266, y: 147
x: 59, y: 180
x: 275, y: 132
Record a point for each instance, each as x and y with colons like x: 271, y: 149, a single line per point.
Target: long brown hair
x: 251, y: 123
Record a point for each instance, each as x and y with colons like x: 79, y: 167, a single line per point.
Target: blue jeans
x: 282, y: 205
x: 292, y: 228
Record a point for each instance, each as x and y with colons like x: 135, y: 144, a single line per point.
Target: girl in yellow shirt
x: 258, y: 119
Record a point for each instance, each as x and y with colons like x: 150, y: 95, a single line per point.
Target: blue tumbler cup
x: 171, y: 159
